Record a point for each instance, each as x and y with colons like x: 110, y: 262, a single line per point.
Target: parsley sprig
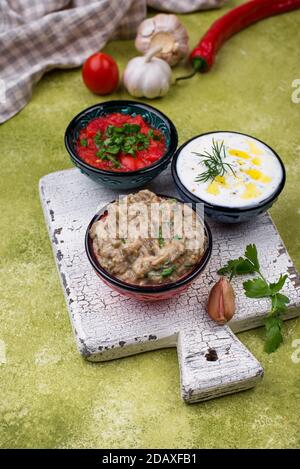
x: 259, y: 287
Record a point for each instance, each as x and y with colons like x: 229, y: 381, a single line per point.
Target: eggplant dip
x: 145, y: 239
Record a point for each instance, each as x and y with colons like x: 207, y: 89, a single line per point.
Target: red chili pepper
x: 203, y: 56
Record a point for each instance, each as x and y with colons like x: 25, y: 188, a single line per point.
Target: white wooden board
x: 212, y: 361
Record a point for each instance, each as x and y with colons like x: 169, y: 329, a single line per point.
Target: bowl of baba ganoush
x: 147, y: 246
x: 234, y: 175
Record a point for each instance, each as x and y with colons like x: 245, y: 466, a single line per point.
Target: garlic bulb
x: 147, y: 76
x: 185, y: 7
x: 165, y: 31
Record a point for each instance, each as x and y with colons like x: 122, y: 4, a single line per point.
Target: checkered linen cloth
x: 39, y: 35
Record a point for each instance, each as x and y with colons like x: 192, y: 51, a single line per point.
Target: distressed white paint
x: 107, y: 325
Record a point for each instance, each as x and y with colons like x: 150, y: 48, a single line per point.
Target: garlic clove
x: 221, y: 301
x: 166, y: 42
x: 166, y: 22
x: 164, y: 30
x: 164, y: 87
x: 147, y: 27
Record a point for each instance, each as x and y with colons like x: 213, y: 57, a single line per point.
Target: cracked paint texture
x: 50, y: 396
x: 108, y: 325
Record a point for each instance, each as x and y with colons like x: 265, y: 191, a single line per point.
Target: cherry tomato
x: 100, y: 73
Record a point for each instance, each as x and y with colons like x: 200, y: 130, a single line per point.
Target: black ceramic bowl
x: 146, y: 293
x: 122, y: 180
x: 218, y: 212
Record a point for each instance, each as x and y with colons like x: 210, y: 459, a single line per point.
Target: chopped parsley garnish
x: 161, y: 241
x: 84, y: 142
x: 107, y: 156
x: 97, y: 139
x: 168, y: 271
x: 127, y: 139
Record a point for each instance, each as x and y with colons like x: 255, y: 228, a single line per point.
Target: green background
x: 50, y: 396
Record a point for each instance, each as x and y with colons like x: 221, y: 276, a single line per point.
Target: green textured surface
x: 50, y: 397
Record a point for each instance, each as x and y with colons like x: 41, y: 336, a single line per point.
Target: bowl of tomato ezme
x: 121, y: 144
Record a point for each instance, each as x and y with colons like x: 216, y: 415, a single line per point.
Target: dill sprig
x: 214, y: 162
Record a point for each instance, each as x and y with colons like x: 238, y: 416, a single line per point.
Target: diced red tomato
x: 87, y: 148
x: 129, y: 162
x: 152, y: 157
x: 141, y: 164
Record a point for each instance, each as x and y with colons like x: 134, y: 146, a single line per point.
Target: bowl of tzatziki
x: 235, y: 176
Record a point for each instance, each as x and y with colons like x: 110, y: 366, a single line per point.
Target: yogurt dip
x: 252, y: 173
